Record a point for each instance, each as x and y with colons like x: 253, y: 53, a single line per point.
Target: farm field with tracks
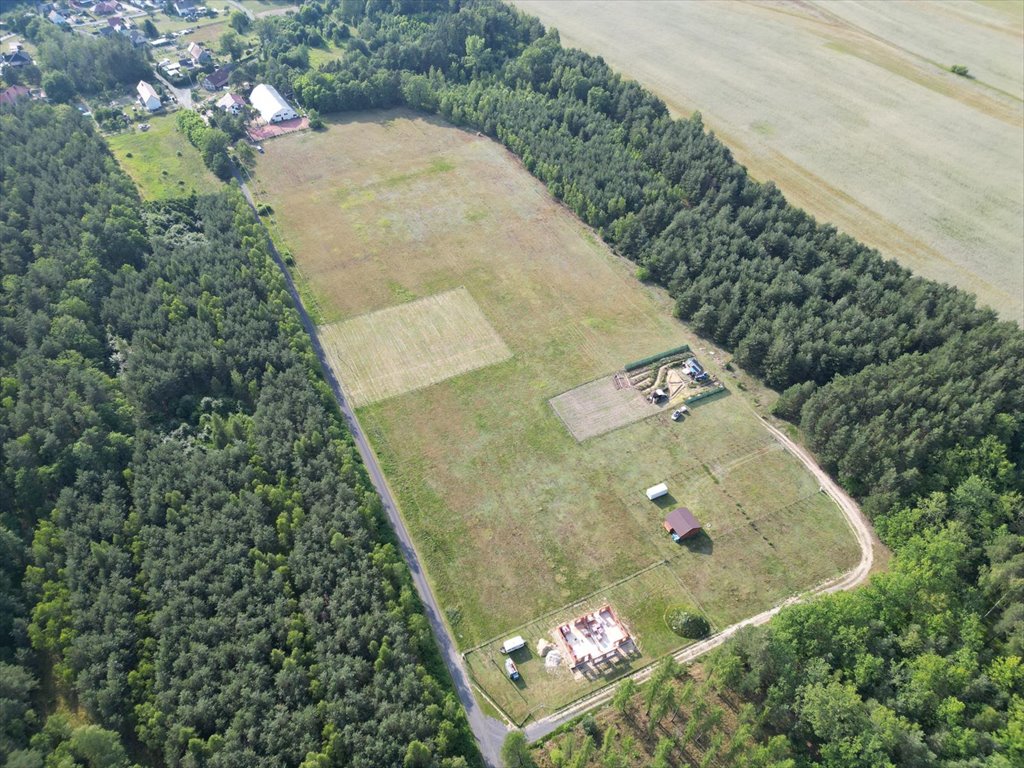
x: 395, y: 219
x: 851, y: 109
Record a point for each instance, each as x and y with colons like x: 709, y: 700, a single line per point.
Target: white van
x: 513, y: 644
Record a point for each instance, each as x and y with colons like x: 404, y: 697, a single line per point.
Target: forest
x: 195, y: 569
x: 122, y: 358
x: 909, y: 393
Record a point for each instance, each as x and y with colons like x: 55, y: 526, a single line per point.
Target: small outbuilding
x: 232, y: 103
x: 148, y: 96
x: 682, y: 524
x: 657, y: 491
x: 271, y: 106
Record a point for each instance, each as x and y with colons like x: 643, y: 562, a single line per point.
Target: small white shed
x: 657, y: 491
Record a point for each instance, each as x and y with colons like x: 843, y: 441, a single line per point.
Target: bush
x: 687, y: 623
x: 960, y: 69
x: 791, y: 402
x: 590, y: 727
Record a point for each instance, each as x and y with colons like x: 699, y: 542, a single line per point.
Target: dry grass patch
x: 409, y: 346
x: 600, y: 407
x: 512, y: 517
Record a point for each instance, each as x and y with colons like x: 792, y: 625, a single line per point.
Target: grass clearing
x: 645, y: 598
x: 852, y: 110
x: 162, y: 163
x: 512, y: 517
x: 402, y: 348
x: 262, y: 6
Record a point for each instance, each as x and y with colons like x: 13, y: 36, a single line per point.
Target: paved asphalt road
x: 490, y: 733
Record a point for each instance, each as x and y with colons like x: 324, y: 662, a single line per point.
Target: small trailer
x: 513, y: 644
x: 510, y: 668
x: 657, y: 491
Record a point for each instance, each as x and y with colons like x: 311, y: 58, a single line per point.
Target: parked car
x: 510, y: 668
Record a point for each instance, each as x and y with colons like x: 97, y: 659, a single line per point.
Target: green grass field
x: 262, y: 6
x: 513, y: 518
x: 644, y: 598
x: 161, y: 161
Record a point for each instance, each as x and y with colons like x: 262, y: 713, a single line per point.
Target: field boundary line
x: 568, y: 606
x: 857, y: 575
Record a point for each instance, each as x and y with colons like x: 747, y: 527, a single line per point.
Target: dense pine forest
x: 195, y: 570
x: 910, y: 394
x: 172, y: 465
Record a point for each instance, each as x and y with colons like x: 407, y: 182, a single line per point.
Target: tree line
x: 190, y: 551
x: 906, y: 389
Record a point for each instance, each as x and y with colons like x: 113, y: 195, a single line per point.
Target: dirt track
x: 858, y: 575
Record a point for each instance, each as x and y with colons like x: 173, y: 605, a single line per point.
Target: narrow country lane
x: 490, y: 733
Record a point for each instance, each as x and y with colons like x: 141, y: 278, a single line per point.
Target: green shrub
x: 687, y: 623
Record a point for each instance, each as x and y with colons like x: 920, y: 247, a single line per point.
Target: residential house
x: 16, y: 59
x: 232, y: 103
x: 105, y: 8
x: 119, y: 24
x: 12, y: 94
x: 148, y: 96
x: 57, y: 18
x: 199, y: 54
x: 217, y: 79
x: 185, y: 7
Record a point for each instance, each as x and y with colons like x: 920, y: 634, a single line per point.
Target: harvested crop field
x: 512, y: 517
x: 408, y: 346
x: 851, y: 109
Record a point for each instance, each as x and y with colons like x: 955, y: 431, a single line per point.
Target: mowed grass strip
x: 409, y: 346
x: 598, y: 407
x: 161, y: 162
x: 512, y: 516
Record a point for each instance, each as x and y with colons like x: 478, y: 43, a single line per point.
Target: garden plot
x: 600, y: 407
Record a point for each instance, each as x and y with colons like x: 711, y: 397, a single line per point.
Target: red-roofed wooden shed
x: 682, y: 523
